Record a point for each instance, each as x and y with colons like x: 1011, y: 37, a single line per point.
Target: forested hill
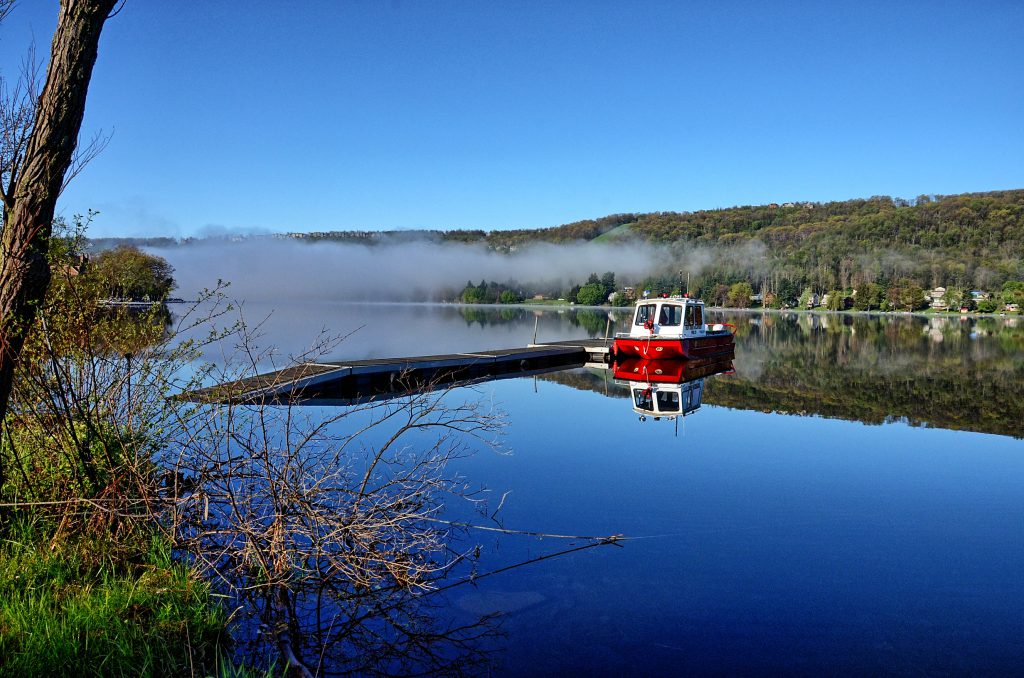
x: 974, y: 220
x: 974, y: 239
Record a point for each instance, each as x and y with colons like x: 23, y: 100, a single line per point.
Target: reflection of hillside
x: 939, y: 401
x: 587, y: 379
x: 937, y: 372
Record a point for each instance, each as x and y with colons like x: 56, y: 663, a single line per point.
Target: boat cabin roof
x: 668, y: 317
x: 669, y: 300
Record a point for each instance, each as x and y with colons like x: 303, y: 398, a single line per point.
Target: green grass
x: 623, y: 232
x: 73, y: 609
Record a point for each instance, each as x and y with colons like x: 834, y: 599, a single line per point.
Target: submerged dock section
x: 361, y: 380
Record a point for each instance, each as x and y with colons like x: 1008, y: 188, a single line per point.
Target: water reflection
x: 666, y: 389
x: 945, y: 372
x: 942, y: 372
x: 810, y: 520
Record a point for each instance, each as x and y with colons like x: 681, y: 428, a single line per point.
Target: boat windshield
x: 644, y: 313
x: 668, y: 401
x: 670, y: 315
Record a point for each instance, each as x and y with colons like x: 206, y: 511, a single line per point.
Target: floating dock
x: 361, y: 380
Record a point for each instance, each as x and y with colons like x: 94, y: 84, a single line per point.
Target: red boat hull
x: 669, y: 371
x: 715, y: 345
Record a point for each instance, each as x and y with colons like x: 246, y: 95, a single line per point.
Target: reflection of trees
x: 485, y: 316
x: 594, y: 322
x: 939, y: 372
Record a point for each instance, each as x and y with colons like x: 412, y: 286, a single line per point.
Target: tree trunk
x: 28, y: 211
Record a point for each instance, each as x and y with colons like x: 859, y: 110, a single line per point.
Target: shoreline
x: 568, y: 306
x: 780, y: 311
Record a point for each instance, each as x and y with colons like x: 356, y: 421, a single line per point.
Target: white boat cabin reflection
x: 667, y: 400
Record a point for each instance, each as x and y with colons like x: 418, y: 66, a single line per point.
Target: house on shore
x: 937, y: 299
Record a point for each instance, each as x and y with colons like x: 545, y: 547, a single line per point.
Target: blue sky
x: 350, y: 115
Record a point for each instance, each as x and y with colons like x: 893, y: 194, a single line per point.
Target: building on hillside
x: 75, y: 266
x: 937, y: 299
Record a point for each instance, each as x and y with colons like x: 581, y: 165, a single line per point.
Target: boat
x: 665, y: 389
x: 673, y: 328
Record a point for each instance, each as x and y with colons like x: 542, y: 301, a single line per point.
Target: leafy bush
x: 127, y: 272
x: 591, y: 294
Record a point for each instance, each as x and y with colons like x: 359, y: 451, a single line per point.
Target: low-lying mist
x: 278, y: 269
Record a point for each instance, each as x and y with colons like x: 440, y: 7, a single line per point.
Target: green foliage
x: 962, y: 240
x: 836, y: 301
x: 622, y: 300
x: 591, y: 294
x: 906, y: 295
x: 1013, y: 292
x: 127, y: 272
x: 471, y: 294
x: 869, y: 297
x: 595, y: 322
x: 66, y: 435
x: 489, y: 293
x: 967, y: 241
x: 739, y: 295
x: 73, y: 608
x: 580, y: 230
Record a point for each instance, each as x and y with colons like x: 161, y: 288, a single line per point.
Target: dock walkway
x: 348, y: 380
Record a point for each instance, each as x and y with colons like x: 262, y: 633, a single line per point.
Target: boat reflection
x: 666, y: 389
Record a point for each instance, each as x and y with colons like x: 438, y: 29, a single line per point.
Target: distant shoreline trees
x: 128, y: 273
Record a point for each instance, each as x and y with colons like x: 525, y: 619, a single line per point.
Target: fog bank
x: 279, y: 269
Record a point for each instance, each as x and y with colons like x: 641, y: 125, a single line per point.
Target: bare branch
x: 84, y: 155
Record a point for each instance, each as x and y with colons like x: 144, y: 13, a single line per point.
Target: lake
x: 849, y: 500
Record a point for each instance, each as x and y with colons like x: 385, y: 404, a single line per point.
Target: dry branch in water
x: 323, y: 520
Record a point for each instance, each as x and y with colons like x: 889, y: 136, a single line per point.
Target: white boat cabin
x: 668, y: 317
x: 667, y: 400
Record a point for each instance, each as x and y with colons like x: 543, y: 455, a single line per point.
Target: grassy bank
x: 82, y: 607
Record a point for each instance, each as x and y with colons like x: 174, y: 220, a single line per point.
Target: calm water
x: 850, y: 500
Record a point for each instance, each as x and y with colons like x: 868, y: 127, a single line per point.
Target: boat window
x: 643, y: 400
x: 644, y: 313
x: 694, y: 315
x: 671, y: 315
x: 668, y: 401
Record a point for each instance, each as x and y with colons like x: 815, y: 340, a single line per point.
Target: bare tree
x: 37, y: 157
